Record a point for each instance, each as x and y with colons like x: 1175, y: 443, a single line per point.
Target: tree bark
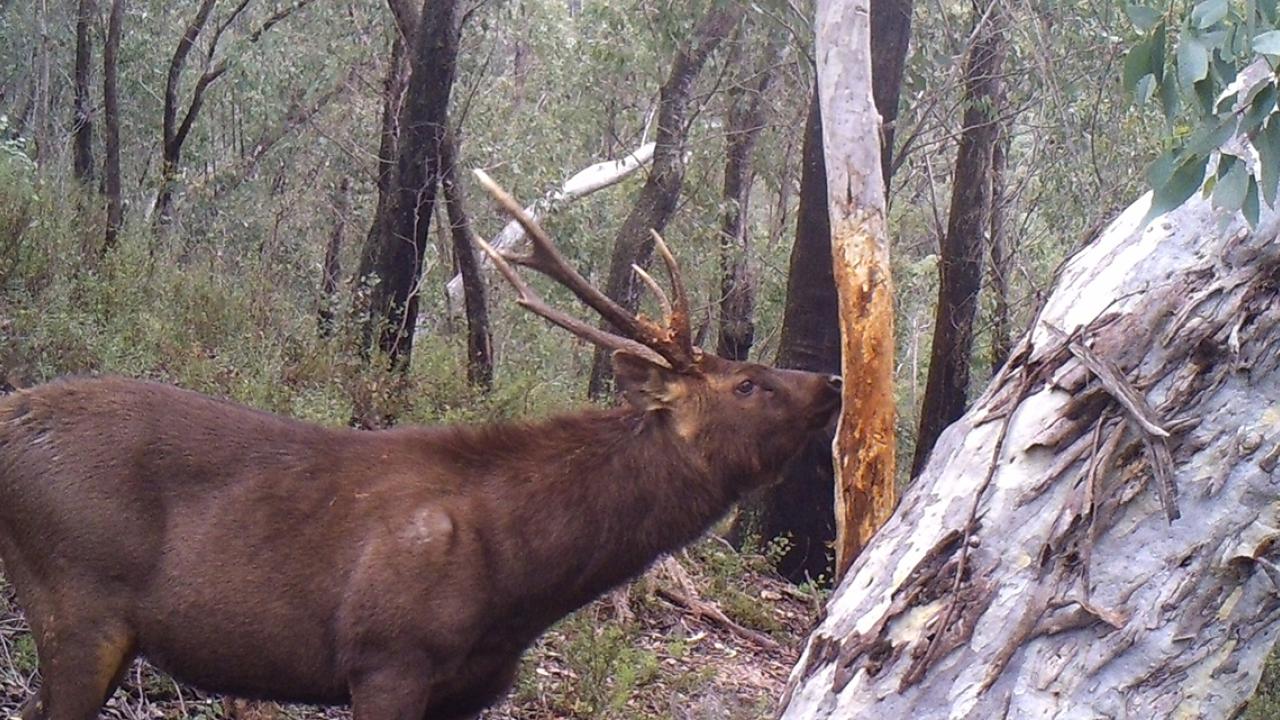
x: 111, y: 126
x: 743, y: 125
x: 82, y: 113
x: 1001, y: 256
x: 960, y: 258
x: 331, y: 268
x: 174, y: 134
x: 479, y: 339
x: 864, y: 446
x: 1096, y: 536
x: 802, y: 507
x: 657, y: 201
x: 395, y: 251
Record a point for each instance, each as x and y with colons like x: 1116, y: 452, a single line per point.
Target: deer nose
x: 835, y: 381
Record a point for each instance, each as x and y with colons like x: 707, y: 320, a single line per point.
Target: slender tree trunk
x: 42, y: 98
x: 864, y: 446
x: 479, y: 339
x: 395, y: 255
x: 657, y: 200
x: 947, y: 389
x: 82, y: 115
x: 802, y: 507
x: 111, y: 126
x: 1001, y: 255
x: 744, y: 123
x: 173, y: 135
x: 331, y: 269
x: 1096, y: 536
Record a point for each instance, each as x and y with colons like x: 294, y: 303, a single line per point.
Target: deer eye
x: 745, y: 388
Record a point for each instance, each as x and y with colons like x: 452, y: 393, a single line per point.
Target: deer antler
x: 672, y: 346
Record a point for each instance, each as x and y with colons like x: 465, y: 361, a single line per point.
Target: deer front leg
x: 398, y: 691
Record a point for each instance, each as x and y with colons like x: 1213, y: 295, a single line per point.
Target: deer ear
x: 646, y: 385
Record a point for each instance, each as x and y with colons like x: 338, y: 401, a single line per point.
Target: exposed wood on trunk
x: 111, y: 126
x: 331, y: 268
x: 864, y: 446
x: 657, y: 200
x: 1032, y: 569
x: 960, y: 258
x: 802, y: 507
x: 745, y: 121
x: 82, y: 115
x: 479, y: 339
x: 401, y: 236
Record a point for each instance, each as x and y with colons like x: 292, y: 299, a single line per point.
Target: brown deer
x: 402, y: 571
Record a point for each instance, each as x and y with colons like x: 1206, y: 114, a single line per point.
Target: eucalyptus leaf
x: 1182, y: 184
x: 1208, y: 13
x: 1143, y: 18
x: 1267, y: 43
x: 1193, y: 62
x: 1250, y: 208
x: 1232, y: 186
x: 1137, y: 65
x: 1267, y: 143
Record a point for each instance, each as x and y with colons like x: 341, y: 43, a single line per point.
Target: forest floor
x: 712, y: 638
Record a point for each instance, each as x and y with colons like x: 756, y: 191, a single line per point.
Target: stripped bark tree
x: 111, y: 126
x: 742, y: 128
x: 82, y: 113
x: 864, y: 446
x: 802, y: 507
x: 968, y: 221
x: 633, y: 244
x: 1096, y: 537
x: 391, y: 262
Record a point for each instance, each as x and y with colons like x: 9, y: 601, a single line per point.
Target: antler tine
x: 529, y: 299
x: 677, y: 317
x: 546, y: 259
x: 655, y: 288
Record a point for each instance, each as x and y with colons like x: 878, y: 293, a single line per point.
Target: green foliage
x: 1213, y: 41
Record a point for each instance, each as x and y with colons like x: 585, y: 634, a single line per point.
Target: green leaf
x: 1157, y: 51
x: 1208, y: 12
x: 1267, y: 9
x: 1161, y: 169
x: 1193, y: 62
x: 1267, y: 144
x: 1259, y: 109
x: 1267, y: 43
x: 1233, y: 185
x: 1146, y: 88
x: 1143, y: 18
x: 1210, y: 136
x: 1250, y: 208
x: 1170, y: 100
x: 1137, y: 65
x: 1182, y: 184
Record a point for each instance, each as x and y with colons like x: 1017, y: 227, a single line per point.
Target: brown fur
x: 404, y: 571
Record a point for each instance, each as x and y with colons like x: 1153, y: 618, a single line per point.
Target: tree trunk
x: 175, y: 134
x: 81, y: 121
x: 395, y: 252
x: 802, y: 507
x: 1095, y: 537
x: 960, y: 265
x: 1001, y: 255
x: 331, y: 269
x: 743, y: 125
x: 479, y: 340
x: 657, y: 200
x: 864, y: 446
x: 111, y: 126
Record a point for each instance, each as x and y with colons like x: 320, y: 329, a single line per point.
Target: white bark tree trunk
x: 864, y: 446
x: 1033, y: 570
x: 586, y: 181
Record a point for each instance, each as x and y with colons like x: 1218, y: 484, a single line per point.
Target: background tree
x: 82, y: 112
x: 111, y: 125
x: 657, y: 199
x: 968, y: 224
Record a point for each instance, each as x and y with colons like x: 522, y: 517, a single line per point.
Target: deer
x: 402, y: 571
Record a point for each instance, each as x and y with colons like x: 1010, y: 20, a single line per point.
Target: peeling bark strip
x: 855, y: 202
x: 1032, y: 570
